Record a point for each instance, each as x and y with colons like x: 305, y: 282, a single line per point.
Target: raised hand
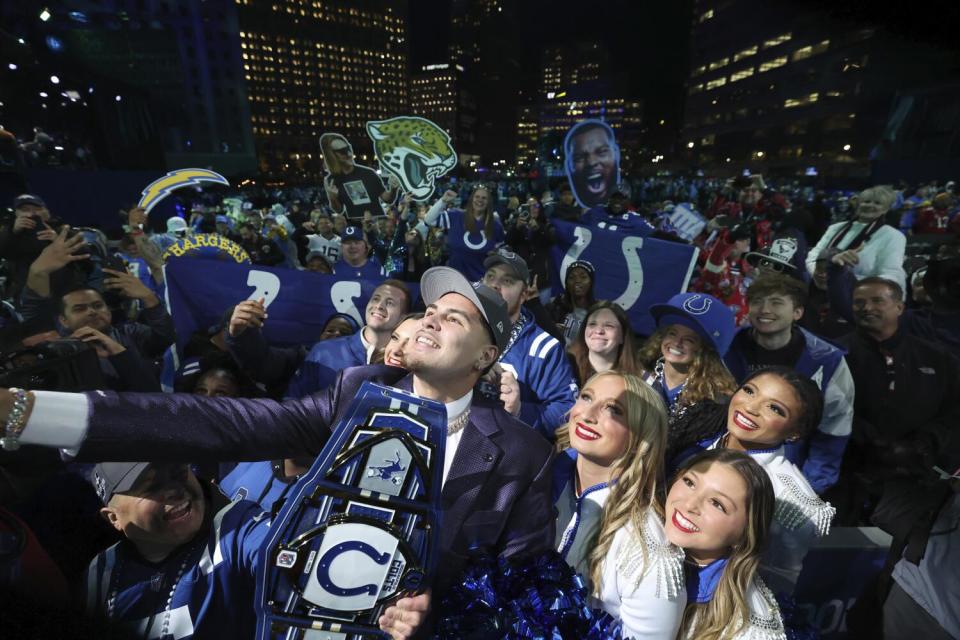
x: 127, y: 284
x: 248, y: 314
x: 59, y: 253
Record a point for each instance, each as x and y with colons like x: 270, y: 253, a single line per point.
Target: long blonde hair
x: 728, y: 611
x: 329, y: 157
x: 635, y: 473
x: 707, y: 379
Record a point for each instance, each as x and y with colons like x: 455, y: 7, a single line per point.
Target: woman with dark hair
x: 605, y: 341
x: 685, y: 353
x: 719, y: 509
x: 569, y: 309
x: 771, y: 407
x: 472, y: 232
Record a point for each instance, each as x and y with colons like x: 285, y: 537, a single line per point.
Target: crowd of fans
x: 808, y: 377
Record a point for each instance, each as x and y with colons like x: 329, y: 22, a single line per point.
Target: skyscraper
x: 315, y: 67
x: 437, y: 93
x: 777, y: 88
x: 577, y: 82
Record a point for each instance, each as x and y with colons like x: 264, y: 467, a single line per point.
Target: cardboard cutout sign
x: 352, y: 188
x: 592, y: 161
x: 414, y: 150
x: 162, y: 187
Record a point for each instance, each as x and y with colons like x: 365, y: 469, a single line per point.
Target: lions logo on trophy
x: 361, y: 529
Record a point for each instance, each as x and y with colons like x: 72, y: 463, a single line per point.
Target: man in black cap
x: 24, y: 237
x: 497, y: 473
x: 535, y: 379
x: 187, y: 563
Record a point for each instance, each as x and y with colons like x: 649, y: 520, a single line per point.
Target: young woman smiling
x: 609, y: 527
x: 719, y: 510
x: 686, y: 352
x: 393, y: 352
x: 771, y: 407
x: 605, y: 341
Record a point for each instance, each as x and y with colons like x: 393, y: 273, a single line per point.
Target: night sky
x: 649, y: 37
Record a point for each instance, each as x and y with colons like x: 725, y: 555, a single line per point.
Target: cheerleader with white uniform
x: 609, y: 527
x: 773, y: 406
x: 719, y: 508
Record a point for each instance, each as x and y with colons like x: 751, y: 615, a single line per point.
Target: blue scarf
x: 702, y: 581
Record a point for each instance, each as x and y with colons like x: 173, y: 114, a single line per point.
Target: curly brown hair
x: 708, y: 378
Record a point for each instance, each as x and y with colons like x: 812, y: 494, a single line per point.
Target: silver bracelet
x: 16, y: 420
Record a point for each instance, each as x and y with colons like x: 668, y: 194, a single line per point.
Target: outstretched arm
x: 107, y: 426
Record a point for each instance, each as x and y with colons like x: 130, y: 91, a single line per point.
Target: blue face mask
x: 702, y: 581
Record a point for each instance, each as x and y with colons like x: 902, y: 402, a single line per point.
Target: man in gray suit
x: 496, y: 491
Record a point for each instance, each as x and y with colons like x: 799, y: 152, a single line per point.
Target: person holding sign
x: 352, y: 188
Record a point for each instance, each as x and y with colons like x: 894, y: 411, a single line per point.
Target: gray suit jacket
x: 497, y: 497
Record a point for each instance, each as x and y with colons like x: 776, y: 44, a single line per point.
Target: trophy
x: 361, y: 528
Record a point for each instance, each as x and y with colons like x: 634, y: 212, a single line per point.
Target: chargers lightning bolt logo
x: 162, y: 187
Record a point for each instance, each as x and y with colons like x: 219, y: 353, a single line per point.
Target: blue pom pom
x: 534, y: 598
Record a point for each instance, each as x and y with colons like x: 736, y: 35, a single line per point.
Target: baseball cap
x: 352, y: 233
x: 778, y: 255
x: 28, y: 198
x: 176, y: 223
x: 439, y: 281
x: 109, y: 478
x: 222, y: 220
x: 504, y: 255
x: 583, y: 264
x: 702, y: 313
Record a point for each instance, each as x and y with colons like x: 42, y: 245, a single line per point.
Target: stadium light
x: 45, y: 14
x: 846, y: 147
x: 54, y: 79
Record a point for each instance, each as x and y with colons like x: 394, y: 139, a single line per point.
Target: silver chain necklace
x: 457, y: 424
x: 675, y: 409
x: 517, y: 328
x: 115, y: 590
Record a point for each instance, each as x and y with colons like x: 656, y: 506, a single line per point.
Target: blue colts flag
x: 633, y: 271
x: 299, y: 302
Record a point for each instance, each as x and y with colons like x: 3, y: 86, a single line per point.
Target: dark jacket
x: 907, y: 429
x: 497, y: 493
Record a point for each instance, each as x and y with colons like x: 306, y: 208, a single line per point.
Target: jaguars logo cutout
x: 414, y: 150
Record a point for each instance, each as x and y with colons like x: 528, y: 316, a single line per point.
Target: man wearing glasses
x: 352, y: 188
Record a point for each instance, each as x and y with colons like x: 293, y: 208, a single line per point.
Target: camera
x: 61, y: 365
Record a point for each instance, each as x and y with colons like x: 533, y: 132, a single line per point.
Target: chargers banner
x: 299, y: 302
x: 637, y: 272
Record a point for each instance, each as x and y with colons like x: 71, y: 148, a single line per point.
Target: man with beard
x: 319, y: 368
x: 593, y: 162
x: 186, y: 565
x: 906, y: 410
x: 536, y: 382
x: 496, y: 491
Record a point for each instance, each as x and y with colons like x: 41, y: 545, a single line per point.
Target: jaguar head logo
x: 414, y: 150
